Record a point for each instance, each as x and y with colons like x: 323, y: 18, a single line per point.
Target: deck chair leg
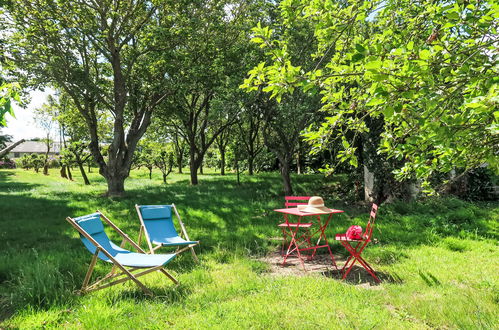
x: 194, y: 254
x: 174, y: 280
x: 140, y: 235
x: 90, y: 270
x: 139, y: 283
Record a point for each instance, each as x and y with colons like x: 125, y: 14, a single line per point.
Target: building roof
x: 36, y: 147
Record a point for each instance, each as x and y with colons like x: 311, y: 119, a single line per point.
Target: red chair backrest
x: 370, y: 224
x: 293, y: 201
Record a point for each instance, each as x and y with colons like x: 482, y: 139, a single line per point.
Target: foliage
x: 7, y: 163
x: 104, y: 55
x: 35, y: 161
x: 4, y: 139
x: 429, y: 69
x: 205, y: 102
x: 164, y: 159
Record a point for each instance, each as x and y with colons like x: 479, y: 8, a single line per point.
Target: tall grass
x: 438, y: 259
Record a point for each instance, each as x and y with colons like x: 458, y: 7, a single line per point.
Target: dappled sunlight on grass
x: 437, y: 258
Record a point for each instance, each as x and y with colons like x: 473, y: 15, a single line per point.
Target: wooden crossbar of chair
x: 152, y: 249
x: 124, y: 271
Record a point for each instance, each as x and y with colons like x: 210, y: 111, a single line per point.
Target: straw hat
x: 315, y: 205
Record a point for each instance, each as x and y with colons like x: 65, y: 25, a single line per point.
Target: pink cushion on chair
x: 354, y: 232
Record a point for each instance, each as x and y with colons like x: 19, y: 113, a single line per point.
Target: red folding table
x: 307, y: 237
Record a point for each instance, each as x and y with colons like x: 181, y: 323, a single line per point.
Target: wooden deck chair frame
x: 118, y: 270
x: 152, y: 249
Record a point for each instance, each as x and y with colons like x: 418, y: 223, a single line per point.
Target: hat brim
x: 311, y: 209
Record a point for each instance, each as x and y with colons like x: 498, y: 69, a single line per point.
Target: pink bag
x: 354, y: 232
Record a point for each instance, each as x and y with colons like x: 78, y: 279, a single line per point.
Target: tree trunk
x: 115, y: 186
x: 286, y: 179
x: 63, y: 172
x: 237, y: 171
x: 298, y: 163
x: 193, y: 165
x: 150, y: 172
x: 164, y: 178
x: 222, y: 162
x: 179, y: 163
x: 201, y: 168
x: 70, y: 176
x: 83, y: 174
x: 250, y: 165
x: 194, y: 173
x: 368, y: 185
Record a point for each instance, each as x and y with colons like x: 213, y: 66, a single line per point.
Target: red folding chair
x: 356, y: 246
x: 286, y: 227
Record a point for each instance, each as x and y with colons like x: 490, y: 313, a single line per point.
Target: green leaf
x: 357, y: 57
x: 453, y: 15
x: 424, y: 54
x: 360, y: 48
x: 345, y: 143
x: 410, y: 45
x: 375, y: 101
x: 374, y: 65
x: 353, y: 161
x: 388, y: 112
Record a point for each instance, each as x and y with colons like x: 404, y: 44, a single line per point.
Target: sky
x: 24, y: 126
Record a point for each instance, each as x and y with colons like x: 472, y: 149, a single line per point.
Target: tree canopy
x: 429, y: 69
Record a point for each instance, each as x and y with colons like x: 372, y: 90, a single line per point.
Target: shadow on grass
x: 358, y: 275
x: 171, y: 294
x: 8, y: 185
x: 44, y: 260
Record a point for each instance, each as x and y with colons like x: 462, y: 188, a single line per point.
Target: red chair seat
x: 300, y: 225
x: 343, y: 237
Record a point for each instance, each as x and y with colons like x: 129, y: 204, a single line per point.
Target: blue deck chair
x: 156, y: 224
x: 124, y: 262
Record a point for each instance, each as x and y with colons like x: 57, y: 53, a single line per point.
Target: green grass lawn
x: 438, y: 259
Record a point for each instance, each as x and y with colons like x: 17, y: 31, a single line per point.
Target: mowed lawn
x: 438, y: 259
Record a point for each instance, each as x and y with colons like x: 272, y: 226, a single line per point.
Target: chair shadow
x: 359, y: 276
x: 170, y: 294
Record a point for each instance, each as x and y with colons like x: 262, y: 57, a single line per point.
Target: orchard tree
x: 144, y: 156
x: 108, y: 56
x: 208, y: 66
x: 429, y: 70
x: 79, y: 151
x: 163, y: 157
x: 250, y: 127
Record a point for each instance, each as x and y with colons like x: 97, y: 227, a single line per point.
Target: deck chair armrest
x: 125, y: 236
x: 182, y: 227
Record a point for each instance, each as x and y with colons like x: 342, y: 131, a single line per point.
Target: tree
x: 74, y: 132
x: 283, y: 125
x: 104, y: 55
x: 214, y: 37
x: 163, y: 159
x: 250, y: 125
x: 34, y: 161
x: 179, y: 146
x: 80, y: 153
x: 145, y: 156
x: 429, y: 70
x: 221, y: 142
